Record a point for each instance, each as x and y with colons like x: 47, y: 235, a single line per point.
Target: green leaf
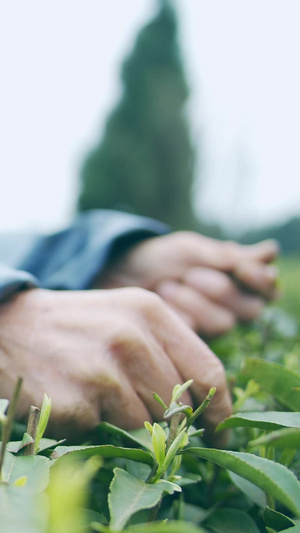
x: 231, y: 521
x: 129, y: 495
x: 274, y: 478
x: 16, y: 446
x: 168, y: 527
x: 159, y: 400
x: 179, y: 390
x: 155, y: 527
x: 22, y: 511
x: 3, y: 407
x: 169, y: 486
x: 175, y: 408
x: 275, y: 520
x: 283, y: 438
x: 276, y: 380
x: 177, y: 443
x: 104, y: 451
x: 35, y: 468
x: 148, y: 427
x: 159, y: 443
x: 68, y: 494
x: 295, y: 529
x: 43, y: 421
x: 48, y: 444
x: 252, y: 491
x: 266, y: 420
x: 135, y: 437
x: 189, y: 479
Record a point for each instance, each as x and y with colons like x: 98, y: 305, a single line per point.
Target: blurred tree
x: 145, y: 162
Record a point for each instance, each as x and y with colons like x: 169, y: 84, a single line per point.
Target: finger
x: 149, y: 369
x: 193, y: 359
x: 204, y: 315
x: 120, y: 404
x: 185, y: 317
x: 138, y: 360
x: 224, y: 255
x: 257, y: 277
x: 265, y: 251
x: 218, y: 286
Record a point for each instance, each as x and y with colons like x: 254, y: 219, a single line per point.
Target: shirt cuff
x: 14, y: 280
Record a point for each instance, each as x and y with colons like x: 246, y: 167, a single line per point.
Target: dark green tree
x: 145, y: 161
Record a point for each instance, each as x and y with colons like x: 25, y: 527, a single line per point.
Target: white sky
x: 59, y: 64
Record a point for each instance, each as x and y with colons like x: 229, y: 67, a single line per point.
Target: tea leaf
x: 274, y: 478
x: 129, y: 495
x: 265, y: 420
x: 3, y: 407
x: 295, y: 529
x: 278, y: 521
x: 159, y: 400
x: 231, y: 521
x: 179, y: 390
x: 168, y: 527
x: 159, y: 443
x: 22, y: 510
x: 104, y: 451
x: 175, y: 408
x: 35, y: 468
x: 252, y: 491
x: 43, y: 421
x: 276, y: 380
x: 283, y: 438
x: 105, y: 429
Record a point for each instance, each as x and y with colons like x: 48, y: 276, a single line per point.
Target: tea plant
x: 163, y: 478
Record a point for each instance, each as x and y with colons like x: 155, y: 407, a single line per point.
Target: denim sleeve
x: 71, y: 259
x: 12, y: 280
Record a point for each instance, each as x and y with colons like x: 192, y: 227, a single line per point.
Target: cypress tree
x: 144, y: 163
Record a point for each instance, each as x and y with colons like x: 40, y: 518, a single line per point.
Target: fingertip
x: 267, y: 250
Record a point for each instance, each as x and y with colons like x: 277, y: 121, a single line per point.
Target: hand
x: 211, y: 284
x: 99, y: 355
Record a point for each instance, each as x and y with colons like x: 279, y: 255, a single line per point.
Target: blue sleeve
x: 71, y: 259
x: 12, y: 280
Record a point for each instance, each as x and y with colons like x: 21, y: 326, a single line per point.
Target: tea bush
x: 163, y: 478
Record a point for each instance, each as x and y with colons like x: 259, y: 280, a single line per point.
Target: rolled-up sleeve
x: 71, y: 259
x: 12, y: 280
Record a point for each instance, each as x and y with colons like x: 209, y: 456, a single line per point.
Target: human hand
x: 100, y: 354
x: 211, y: 284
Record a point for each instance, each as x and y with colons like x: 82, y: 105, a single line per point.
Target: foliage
x: 163, y: 479
x: 144, y: 162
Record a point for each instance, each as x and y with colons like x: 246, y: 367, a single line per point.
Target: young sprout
x: 168, y: 444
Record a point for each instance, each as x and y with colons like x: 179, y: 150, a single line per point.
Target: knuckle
x: 152, y: 305
x: 126, y: 340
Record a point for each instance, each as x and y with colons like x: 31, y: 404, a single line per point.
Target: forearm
x: 73, y: 258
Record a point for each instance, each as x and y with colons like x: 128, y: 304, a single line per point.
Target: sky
x: 60, y: 63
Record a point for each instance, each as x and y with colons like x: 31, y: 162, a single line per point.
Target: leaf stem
x: 173, y: 429
x: 33, y: 421
x: 203, y: 405
x: 7, y: 425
